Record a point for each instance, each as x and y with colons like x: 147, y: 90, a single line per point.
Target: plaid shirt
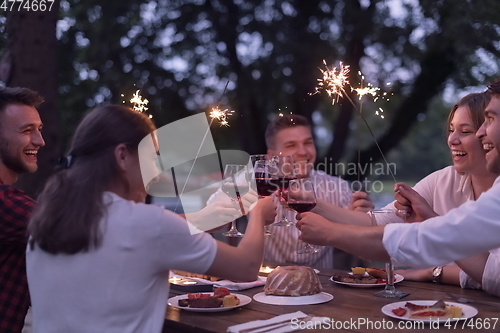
x: 15, y: 210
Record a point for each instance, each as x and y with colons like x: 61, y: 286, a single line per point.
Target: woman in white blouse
x: 452, y: 186
x: 444, y: 190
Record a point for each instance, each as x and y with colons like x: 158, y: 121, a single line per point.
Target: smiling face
x: 489, y: 134
x: 20, y: 140
x: 298, y: 142
x: 466, y: 150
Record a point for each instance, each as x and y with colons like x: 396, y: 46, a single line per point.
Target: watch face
x: 436, y: 273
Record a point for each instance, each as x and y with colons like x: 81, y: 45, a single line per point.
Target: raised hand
x: 417, y: 208
x: 268, y: 209
x: 360, y: 201
x: 214, y: 216
x: 249, y: 200
x: 314, y: 228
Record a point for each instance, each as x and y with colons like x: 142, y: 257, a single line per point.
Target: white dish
x: 174, y: 301
x: 290, y: 300
x: 467, y: 311
x: 398, y: 278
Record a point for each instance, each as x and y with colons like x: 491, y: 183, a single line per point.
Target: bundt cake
x: 292, y: 281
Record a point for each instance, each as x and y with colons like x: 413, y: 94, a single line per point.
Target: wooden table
x: 348, y: 305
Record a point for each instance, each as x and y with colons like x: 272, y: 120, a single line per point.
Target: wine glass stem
x: 283, y: 215
x: 233, y: 226
x: 390, y: 275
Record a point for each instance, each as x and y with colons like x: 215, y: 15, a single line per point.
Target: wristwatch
x: 437, y: 274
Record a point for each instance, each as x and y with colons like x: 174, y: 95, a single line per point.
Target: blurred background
x: 425, y: 54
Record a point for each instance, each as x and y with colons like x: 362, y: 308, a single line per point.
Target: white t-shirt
x: 444, y: 190
x: 123, y: 285
x: 472, y: 228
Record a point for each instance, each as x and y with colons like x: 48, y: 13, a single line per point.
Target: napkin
x: 279, y: 322
x: 231, y: 285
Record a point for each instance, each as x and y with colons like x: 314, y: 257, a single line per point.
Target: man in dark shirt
x: 20, y: 140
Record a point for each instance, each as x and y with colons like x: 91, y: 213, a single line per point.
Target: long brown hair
x: 475, y: 103
x: 71, y: 205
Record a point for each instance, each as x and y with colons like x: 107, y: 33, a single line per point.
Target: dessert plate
x: 467, y: 311
x: 174, y: 302
x: 290, y: 300
x: 398, y: 278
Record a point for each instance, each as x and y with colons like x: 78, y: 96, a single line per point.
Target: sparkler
x: 215, y: 113
x: 333, y: 82
x: 139, y: 104
x: 220, y: 115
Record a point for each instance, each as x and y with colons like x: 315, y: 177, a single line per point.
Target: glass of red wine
x: 281, y: 177
x: 396, y: 216
x: 259, y: 157
x: 235, y: 185
x: 301, y: 198
x: 263, y: 181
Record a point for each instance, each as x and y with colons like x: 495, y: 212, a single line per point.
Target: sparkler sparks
x: 369, y: 90
x: 139, y: 103
x: 333, y: 81
x: 221, y: 115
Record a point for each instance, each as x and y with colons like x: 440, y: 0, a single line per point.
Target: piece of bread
x: 358, y: 270
x: 376, y: 272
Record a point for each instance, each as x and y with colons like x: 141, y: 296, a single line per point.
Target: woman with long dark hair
x: 98, y: 258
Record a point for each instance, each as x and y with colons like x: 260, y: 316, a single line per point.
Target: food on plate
x: 221, y: 292
x: 209, y: 302
x: 438, y: 310
x: 230, y: 300
x: 194, y: 275
x: 376, y: 272
x: 358, y: 270
x: 220, y: 298
x: 356, y: 278
x: 454, y: 311
x: 292, y: 281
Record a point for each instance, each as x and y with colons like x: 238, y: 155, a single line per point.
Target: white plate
x: 291, y: 300
x: 467, y: 311
x: 398, y: 277
x: 174, y: 301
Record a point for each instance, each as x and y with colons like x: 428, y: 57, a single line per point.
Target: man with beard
x: 471, y: 229
x: 20, y: 140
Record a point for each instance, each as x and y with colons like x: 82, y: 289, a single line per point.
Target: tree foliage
x: 181, y: 53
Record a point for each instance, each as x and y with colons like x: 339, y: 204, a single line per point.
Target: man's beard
x: 10, y: 160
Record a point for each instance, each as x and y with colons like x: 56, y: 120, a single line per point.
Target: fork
x: 464, y: 300
x: 273, y: 326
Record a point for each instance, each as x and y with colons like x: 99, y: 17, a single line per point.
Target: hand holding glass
x: 301, y: 198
